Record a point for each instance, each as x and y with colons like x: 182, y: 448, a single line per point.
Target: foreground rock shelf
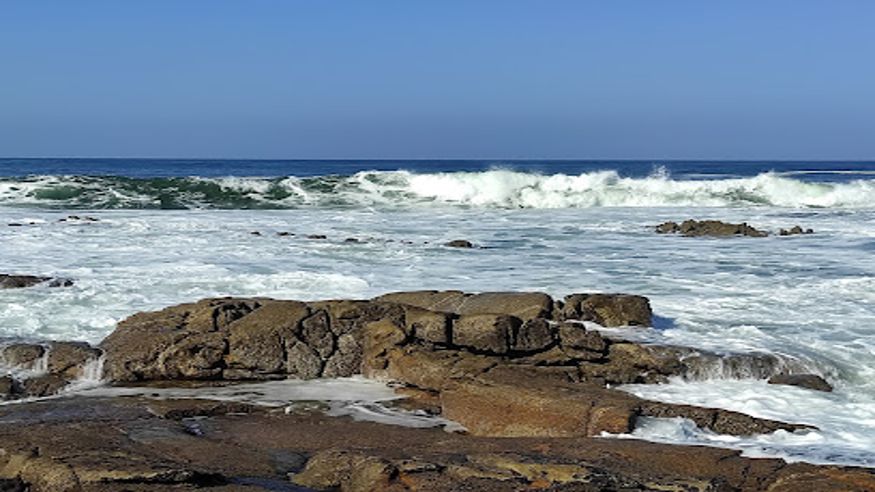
x: 525, y: 374
x: 135, y: 444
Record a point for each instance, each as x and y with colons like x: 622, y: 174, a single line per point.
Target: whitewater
x: 162, y: 240
x: 496, y: 188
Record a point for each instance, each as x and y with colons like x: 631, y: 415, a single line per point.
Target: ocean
x: 172, y: 231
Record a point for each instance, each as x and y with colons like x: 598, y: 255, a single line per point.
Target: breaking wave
x: 494, y: 188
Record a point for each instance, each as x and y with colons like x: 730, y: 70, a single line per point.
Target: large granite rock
x: 139, y: 444
x: 502, y: 364
x: 265, y: 338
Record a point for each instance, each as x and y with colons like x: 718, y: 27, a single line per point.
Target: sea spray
x: 496, y: 188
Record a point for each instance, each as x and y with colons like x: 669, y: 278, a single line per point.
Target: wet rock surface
x: 459, y: 243
x: 694, y: 228
x: 21, y: 281
x: 809, y: 381
x: 137, y: 444
x: 43, y: 370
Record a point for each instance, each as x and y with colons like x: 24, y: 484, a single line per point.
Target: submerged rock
x: 459, y: 243
x: 795, y: 230
x: 694, y: 228
x: 809, y: 381
x: 21, y: 281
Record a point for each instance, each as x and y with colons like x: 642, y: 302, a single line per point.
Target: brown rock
x: 8, y: 388
x: 459, y: 243
x: 350, y: 471
x: 346, y: 360
x: 197, y: 356
x: 718, y: 420
x: 22, y: 281
x: 485, y: 332
x: 316, y: 332
x: 574, y: 335
x: 302, y: 362
x: 67, y: 359
x: 429, y: 326
x: 809, y: 381
x: 716, y: 228
x: 523, y: 305
x: 534, y: 335
x: 257, y: 342
x: 608, y: 309
x: 46, y: 385
x: 795, y: 230
x: 444, y: 301
x: 378, y: 339
x: 500, y: 410
x: 434, y: 369
x: 23, y: 355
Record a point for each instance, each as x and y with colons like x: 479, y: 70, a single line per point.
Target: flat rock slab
x: 111, y: 444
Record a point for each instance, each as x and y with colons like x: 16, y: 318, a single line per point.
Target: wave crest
x: 494, y: 188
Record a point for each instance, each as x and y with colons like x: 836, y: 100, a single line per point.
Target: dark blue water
x: 152, y: 168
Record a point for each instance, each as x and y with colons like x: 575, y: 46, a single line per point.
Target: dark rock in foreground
x: 137, y: 444
x: 809, y: 381
x: 21, y: 281
x: 695, y: 228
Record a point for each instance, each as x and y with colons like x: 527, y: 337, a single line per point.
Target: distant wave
x: 494, y: 188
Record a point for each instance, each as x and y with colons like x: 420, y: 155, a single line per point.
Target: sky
x: 504, y: 79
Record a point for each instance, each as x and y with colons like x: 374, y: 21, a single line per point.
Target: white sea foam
x: 495, y: 188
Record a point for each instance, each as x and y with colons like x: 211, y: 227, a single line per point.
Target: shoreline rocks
x: 523, y: 373
x: 479, y: 355
x: 101, y: 444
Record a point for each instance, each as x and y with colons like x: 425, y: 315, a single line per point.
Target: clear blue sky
x: 762, y: 79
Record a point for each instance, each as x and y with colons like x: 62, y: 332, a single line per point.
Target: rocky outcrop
x: 265, y: 338
x: 693, y: 228
x: 501, y: 364
x: 20, y: 281
x: 139, y: 444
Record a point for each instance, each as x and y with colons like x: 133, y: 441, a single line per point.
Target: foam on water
x: 845, y: 421
x: 356, y: 397
x: 495, y: 188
